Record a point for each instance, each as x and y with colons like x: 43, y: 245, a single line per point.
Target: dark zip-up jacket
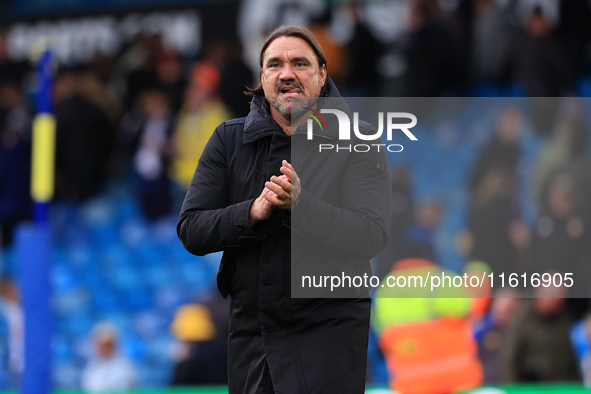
x: 294, y: 345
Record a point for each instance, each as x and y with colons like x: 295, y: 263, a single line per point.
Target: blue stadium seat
x: 133, y: 347
x: 66, y: 375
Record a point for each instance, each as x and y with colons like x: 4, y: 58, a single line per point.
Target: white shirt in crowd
x: 104, y: 374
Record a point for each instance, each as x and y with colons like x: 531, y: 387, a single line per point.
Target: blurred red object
x: 206, y: 75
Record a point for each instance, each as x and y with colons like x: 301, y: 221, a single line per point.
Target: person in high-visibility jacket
x: 426, y: 335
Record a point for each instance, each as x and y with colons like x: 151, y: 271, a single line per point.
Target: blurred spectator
x: 337, y: 56
x: 15, y: 160
x: 97, y: 91
x: 11, y: 71
x: 419, y: 237
x: 562, y: 239
x: 235, y: 76
x: 537, y: 60
x: 170, y: 76
x: 491, y: 332
x: 501, y: 153
x: 401, y: 220
x: 11, y: 308
x: 153, y: 154
x: 574, y: 31
x: 581, y: 340
x: 138, y: 66
x: 85, y: 139
x: 202, y: 112
x: 565, y: 151
x: 364, y: 52
x: 538, y: 348
x: 93, y: 86
x: 432, y: 60
x: 491, y: 37
x: 494, y: 221
x: 426, y: 337
x: 201, y: 356
x: 108, y: 370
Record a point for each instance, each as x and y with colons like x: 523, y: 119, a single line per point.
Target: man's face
x: 105, y: 346
x: 290, y: 73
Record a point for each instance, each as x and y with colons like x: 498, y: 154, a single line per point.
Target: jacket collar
x: 260, y: 124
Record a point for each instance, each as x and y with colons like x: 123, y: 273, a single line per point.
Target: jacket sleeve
x: 208, y: 222
x: 360, y: 225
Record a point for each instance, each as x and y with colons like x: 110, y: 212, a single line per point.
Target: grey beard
x: 294, y: 113
x: 298, y: 107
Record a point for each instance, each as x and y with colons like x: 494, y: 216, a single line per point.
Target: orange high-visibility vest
x: 431, y: 357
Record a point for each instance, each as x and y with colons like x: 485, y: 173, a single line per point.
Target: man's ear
x: 323, y: 74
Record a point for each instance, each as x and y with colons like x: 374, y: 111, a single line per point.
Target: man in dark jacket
x: 247, y: 200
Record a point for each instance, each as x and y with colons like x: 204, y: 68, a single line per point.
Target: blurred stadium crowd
x: 131, y: 126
